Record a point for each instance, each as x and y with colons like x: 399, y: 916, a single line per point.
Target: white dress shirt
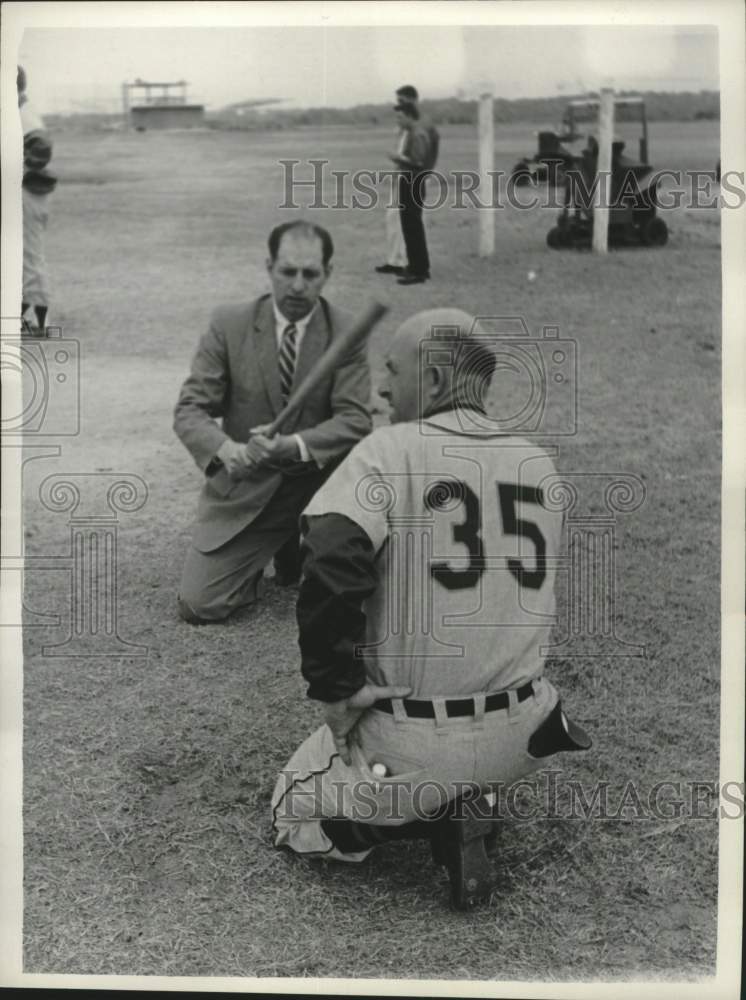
x: 281, y: 324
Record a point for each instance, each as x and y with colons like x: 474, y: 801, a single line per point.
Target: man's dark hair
x: 409, y: 109
x: 309, y: 229
x: 408, y: 92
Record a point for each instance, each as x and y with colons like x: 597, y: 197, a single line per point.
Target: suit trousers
x: 428, y: 762
x: 215, y: 584
x: 411, y: 193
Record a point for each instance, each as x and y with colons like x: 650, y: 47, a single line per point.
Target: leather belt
x: 421, y: 709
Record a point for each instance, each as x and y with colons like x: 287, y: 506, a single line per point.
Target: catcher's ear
x: 434, y: 379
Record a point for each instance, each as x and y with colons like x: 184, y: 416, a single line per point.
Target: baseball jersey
x: 440, y: 565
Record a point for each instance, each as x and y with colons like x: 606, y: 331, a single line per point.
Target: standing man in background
x: 243, y: 373
x: 412, y: 162
x: 409, y: 94
x: 396, y: 254
x: 38, y: 182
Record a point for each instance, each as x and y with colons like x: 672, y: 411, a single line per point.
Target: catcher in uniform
x: 426, y: 598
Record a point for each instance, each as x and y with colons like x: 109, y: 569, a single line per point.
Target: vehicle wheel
x: 655, y: 233
x: 555, y: 238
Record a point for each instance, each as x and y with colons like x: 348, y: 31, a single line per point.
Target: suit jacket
x: 235, y: 378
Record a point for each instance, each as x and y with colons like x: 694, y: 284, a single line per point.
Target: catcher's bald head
x: 435, y: 363
x: 434, y: 323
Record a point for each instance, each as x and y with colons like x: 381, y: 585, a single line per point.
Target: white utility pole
x: 602, y: 196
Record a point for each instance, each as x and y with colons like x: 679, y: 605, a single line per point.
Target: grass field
x: 147, y: 779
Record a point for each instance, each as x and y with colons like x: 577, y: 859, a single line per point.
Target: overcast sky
x: 73, y: 69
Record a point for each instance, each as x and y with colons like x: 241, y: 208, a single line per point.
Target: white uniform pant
x: 428, y: 762
x: 396, y: 252
x: 35, y: 215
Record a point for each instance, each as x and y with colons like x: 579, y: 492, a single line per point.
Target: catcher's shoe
x: 287, y: 563
x: 459, y: 844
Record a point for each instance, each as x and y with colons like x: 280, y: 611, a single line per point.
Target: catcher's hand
x: 342, y: 716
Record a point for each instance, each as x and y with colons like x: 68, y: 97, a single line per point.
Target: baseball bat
x: 358, y: 332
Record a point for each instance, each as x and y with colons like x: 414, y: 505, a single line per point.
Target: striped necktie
x: 286, y: 359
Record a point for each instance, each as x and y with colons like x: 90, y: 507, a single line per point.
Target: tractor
x: 552, y: 157
x: 633, y: 218
x: 549, y: 163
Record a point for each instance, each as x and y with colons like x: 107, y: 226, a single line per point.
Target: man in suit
x: 242, y: 373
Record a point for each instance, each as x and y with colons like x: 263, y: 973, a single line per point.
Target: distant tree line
x: 661, y: 106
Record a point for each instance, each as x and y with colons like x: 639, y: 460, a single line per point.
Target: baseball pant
x: 35, y: 216
x: 215, y: 584
x: 396, y: 253
x: 429, y: 762
x: 411, y: 193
